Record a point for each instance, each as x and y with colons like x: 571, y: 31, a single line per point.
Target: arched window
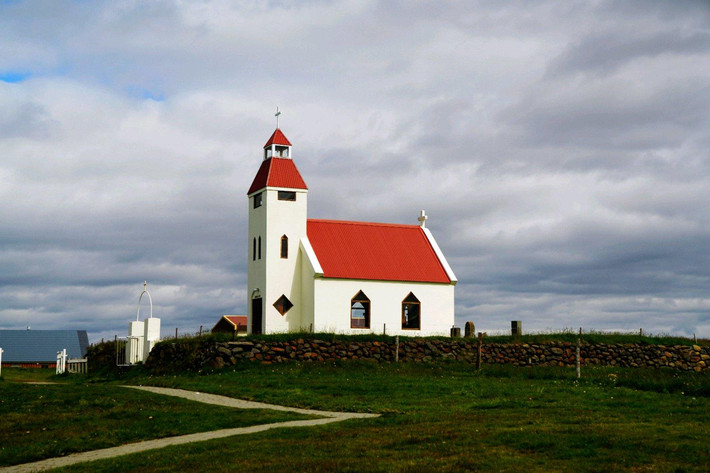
x: 259, y: 247
x: 360, y: 311
x: 253, y: 251
x: 411, y: 313
x: 284, y: 246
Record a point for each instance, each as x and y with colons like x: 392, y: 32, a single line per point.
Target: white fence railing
x: 77, y: 365
x: 62, y: 361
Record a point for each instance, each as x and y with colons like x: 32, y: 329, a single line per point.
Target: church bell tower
x: 277, y: 222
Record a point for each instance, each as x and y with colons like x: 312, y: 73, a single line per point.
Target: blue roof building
x: 41, y: 346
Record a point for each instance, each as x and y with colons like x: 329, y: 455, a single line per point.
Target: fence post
x: 1, y: 350
x: 175, y: 333
x: 396, y: 349
x: 478, y: 350
x: 200, y: 330
x: 384, y: 329
x: 579, y: 374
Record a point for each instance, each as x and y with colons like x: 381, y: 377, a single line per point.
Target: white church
x: 337, y: 276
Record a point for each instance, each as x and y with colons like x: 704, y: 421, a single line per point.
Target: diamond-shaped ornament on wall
x: 283, y: 305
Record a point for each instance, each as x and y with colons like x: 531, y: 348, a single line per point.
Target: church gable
x: 375, y: 251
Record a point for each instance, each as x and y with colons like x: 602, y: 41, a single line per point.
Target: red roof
x: 277, y: 172
x: 237, y: 319
x: 378, y: 251
x: 278, y: 138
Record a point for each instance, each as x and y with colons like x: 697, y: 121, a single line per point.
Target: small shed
x: 38, y: 348
x: 231, y: 324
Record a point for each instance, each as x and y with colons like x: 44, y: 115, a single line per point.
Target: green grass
x: 286, y: 337
x: 448, y: 417
x: 540, y: 337
x: 596, y: 338
x: 44, y: 421
x: 29, y: 374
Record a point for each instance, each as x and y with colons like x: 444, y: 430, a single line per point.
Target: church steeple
x: 277, y: 146
x: 277, y: 169
x: 278, y: 199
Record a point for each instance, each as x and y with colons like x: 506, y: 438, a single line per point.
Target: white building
x: 337, y: 276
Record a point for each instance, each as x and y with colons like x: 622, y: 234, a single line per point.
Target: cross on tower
x: 277, y: 116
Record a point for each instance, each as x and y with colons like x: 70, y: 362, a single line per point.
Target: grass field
x: 44, y: 421
x: 447, y: 417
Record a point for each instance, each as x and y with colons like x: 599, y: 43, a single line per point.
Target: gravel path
x: 327, y: 417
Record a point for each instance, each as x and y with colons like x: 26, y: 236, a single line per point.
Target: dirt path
x: 327, y: 417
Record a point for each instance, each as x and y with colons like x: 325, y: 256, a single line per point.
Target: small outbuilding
x: 38, y: 348
x: 231, y: 324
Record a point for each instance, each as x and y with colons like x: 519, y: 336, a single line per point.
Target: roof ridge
x: 373, y: 224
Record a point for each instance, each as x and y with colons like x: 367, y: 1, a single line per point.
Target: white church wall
x: 332, y: 306
x: 256, y: 268
x: 307, y: 301
x: 282, y: 218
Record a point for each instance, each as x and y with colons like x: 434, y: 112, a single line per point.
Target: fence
x: 61, y: 361
x: 77, y: 366
x: 121, y: 357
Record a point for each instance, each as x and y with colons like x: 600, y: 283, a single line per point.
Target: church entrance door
x: 256, y: 317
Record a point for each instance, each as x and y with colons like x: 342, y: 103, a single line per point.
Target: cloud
x: 561, y: 152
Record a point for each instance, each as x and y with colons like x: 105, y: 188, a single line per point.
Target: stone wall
x: 197, y: 355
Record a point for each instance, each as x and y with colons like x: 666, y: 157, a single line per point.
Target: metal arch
x: 145, y: 291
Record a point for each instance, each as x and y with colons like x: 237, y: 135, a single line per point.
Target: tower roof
x: 277, y: 172
x: 377, y: 251
x: 277, y: 138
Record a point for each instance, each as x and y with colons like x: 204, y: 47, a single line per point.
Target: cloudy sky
x: 561, y: 150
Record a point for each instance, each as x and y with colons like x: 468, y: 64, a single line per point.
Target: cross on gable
x: 422, y: 219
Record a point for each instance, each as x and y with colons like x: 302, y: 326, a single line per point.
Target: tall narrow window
x: 284, y: 246
x: 259, y: 247
x: 411, y: 312
x: 253, y: 250
x: 258, y: 199
x: 360, y: 311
